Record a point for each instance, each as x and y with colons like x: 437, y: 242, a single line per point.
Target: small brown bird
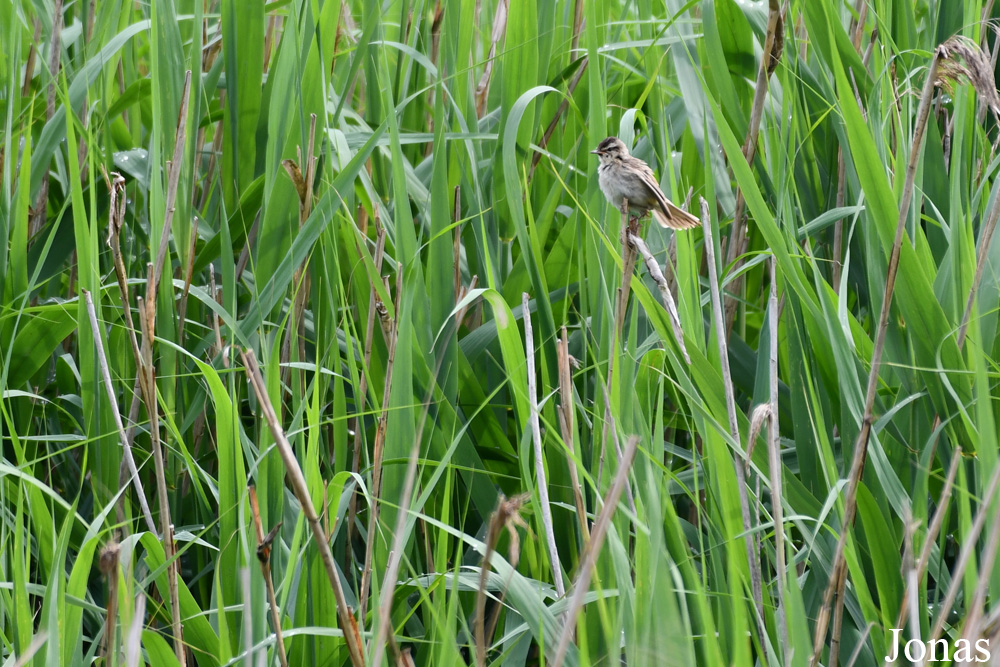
x: 622, y: 176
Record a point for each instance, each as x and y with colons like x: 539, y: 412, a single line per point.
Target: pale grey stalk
x: 536, y: 436
x: 593, y: 549
x: 734, y: 427
x: 102, y: 361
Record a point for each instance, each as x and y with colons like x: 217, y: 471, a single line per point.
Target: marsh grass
x: 341, y: 274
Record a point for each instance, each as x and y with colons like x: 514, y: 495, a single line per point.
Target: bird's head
x: 610, y: 149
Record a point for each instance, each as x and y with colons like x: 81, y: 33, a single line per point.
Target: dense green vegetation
x: 343, y: 270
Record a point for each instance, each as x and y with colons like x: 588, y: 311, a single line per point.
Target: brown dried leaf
x: 298, y: 181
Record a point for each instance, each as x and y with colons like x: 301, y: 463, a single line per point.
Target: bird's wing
x: 679, y: 218
x: 667, y: 215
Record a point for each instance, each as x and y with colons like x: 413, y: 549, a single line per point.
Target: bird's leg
x: 633, y: 224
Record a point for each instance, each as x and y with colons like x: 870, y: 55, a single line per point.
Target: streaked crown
x: 612, y: 145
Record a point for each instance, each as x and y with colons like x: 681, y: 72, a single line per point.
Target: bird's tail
x: 674, y: 217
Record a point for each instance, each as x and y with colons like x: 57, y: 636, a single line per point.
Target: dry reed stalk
x: 771, y: 55
x: 264, y: 557
x: 566, y: 414
x: 653, y: 267
x: 499, y: 29
x: 102, y: 362
x: 835, y: 587
x: 592, y: 550
x: 298, y: 483
x: 146, y: 369
x: 379, y: 446
x: 362, y: 393
x: 108, y: 565
x: 774, y: 461
x: 621, y: 305
x: 734, y: 428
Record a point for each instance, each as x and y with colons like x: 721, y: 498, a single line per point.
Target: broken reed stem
x: 173, y: 177
x: 362, y: 394
x: 968, y: 548
x: 102, y: 361
x: 264, y: 557
x: 536, y: 436
x: 838, y: 227
x: 109, y: 567
x: 972, y: 631
x: 566, y: 418
x: 593, y: 549
x: 147, y: 322
x: 734, y: 427
x: 379, y: 446
x: 116, y: 218
x: 985, y: 239
x: 304, y: 187
x: 215, y: 293
x: 653, y: 267
x: 174, y: 168
x: 506, y: 515
x: 835, y: 587
x: 175, y: 598
x: 621, y: 304
x: 301, y: 490
x: 910, y: 571
x: 499, y: 30
x: 774, y: 460
x: 396, y: 553
x: 188, y: 276
x: 390, y: 580
x: 738, y: 239
x: 944, y: 500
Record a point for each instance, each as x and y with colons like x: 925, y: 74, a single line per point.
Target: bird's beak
x: 595, y: 152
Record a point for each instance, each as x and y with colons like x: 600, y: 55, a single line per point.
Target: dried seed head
x: 116, y: 215
x: 298, y: 181
x: 963, y: 61
x: 757, y: 419
x: 264, y: 548
x: 778, y: 47
x: 108, y: 562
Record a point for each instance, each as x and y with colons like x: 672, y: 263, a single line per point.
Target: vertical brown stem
x: 835, y: 586
x: 147, y: 321
x: 361, y: 396
x: 593, y: 549
x: 566, y: 414
x: 379, y: 445
x: 264, y: 557
x: 298, y: 483
x: 738, y: 240
x: 621, y: 304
